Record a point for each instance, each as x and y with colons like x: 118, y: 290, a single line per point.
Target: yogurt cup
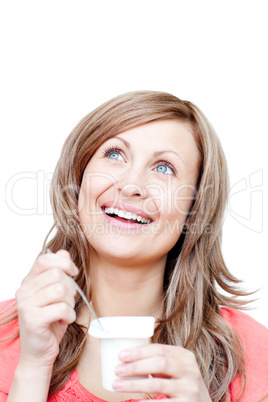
x: 116, y: 334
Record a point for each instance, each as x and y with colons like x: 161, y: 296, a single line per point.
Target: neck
x: 120, y: 289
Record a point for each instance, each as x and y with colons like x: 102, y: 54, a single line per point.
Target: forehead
x: 171, y: 134
x: 160, y: 130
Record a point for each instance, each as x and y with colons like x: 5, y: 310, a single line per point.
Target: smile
x: 111, y: 211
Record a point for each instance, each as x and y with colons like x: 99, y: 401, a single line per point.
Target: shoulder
x: 6, y: 305
x: 254, y: 338
x: 248, y: 329
x: 9, y: 344
x: 8, y: 325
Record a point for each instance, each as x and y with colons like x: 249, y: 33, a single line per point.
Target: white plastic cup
x: 116, y: 334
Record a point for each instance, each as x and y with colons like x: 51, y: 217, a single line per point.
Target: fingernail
x: 75, y: 269
x: 124, y: 354
x: 120, y: 370
x: 118, y: 385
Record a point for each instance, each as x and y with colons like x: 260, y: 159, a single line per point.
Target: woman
x: 138, y: 197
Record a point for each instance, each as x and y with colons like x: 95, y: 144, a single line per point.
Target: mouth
x: 121, y: 215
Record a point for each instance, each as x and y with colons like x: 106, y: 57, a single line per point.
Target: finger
x: 158, y: 359
x: 48, y: 261
x: 33, y: 285
x: 64, y: 253
x: 60, y: 312
x: 158, y: 368
x: 40, y: 318
x: 46, y: 278
x: 149, y: 385
x: 151, y: 350
x: 163, y: 366
x: 165, y: 400
x: 176, y: 399
x: 178, y: 389
x: 32, y: 311
x: 55, y: 293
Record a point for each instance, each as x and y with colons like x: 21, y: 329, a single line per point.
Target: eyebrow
x: 155, y: 154
x: 127, y: 144
x: 172, y: 152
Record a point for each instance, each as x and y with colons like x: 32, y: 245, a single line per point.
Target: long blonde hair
x: 195, y: 267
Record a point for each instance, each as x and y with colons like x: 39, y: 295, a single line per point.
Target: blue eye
x: 113, y: 153
x: 161, y: 169
x: 164, y: 168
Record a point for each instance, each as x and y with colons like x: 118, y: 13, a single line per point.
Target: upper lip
x: 127, y: 208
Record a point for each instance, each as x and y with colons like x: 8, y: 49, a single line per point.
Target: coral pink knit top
x: 253, y: 335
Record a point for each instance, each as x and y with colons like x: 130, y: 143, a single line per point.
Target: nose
x: 132, y: 185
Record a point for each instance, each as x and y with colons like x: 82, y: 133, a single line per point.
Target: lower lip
x: 123, y: 224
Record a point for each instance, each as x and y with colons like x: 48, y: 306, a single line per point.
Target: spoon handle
x: 80, y: 291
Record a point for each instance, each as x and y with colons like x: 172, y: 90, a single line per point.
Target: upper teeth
x: 126, y: 215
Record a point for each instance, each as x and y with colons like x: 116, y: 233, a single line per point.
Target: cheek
x: 160, y: 199
x: 94, y: 184
x: 183, y: 198
x: 172, y: 201
x: 86, y: 202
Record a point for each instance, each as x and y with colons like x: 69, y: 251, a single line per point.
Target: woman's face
x: 136, y: 192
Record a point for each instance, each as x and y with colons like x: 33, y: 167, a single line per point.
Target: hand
x: 45, y: 303
x: 173, y: 372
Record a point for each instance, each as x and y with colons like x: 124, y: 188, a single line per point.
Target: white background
x: 61, y: 59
